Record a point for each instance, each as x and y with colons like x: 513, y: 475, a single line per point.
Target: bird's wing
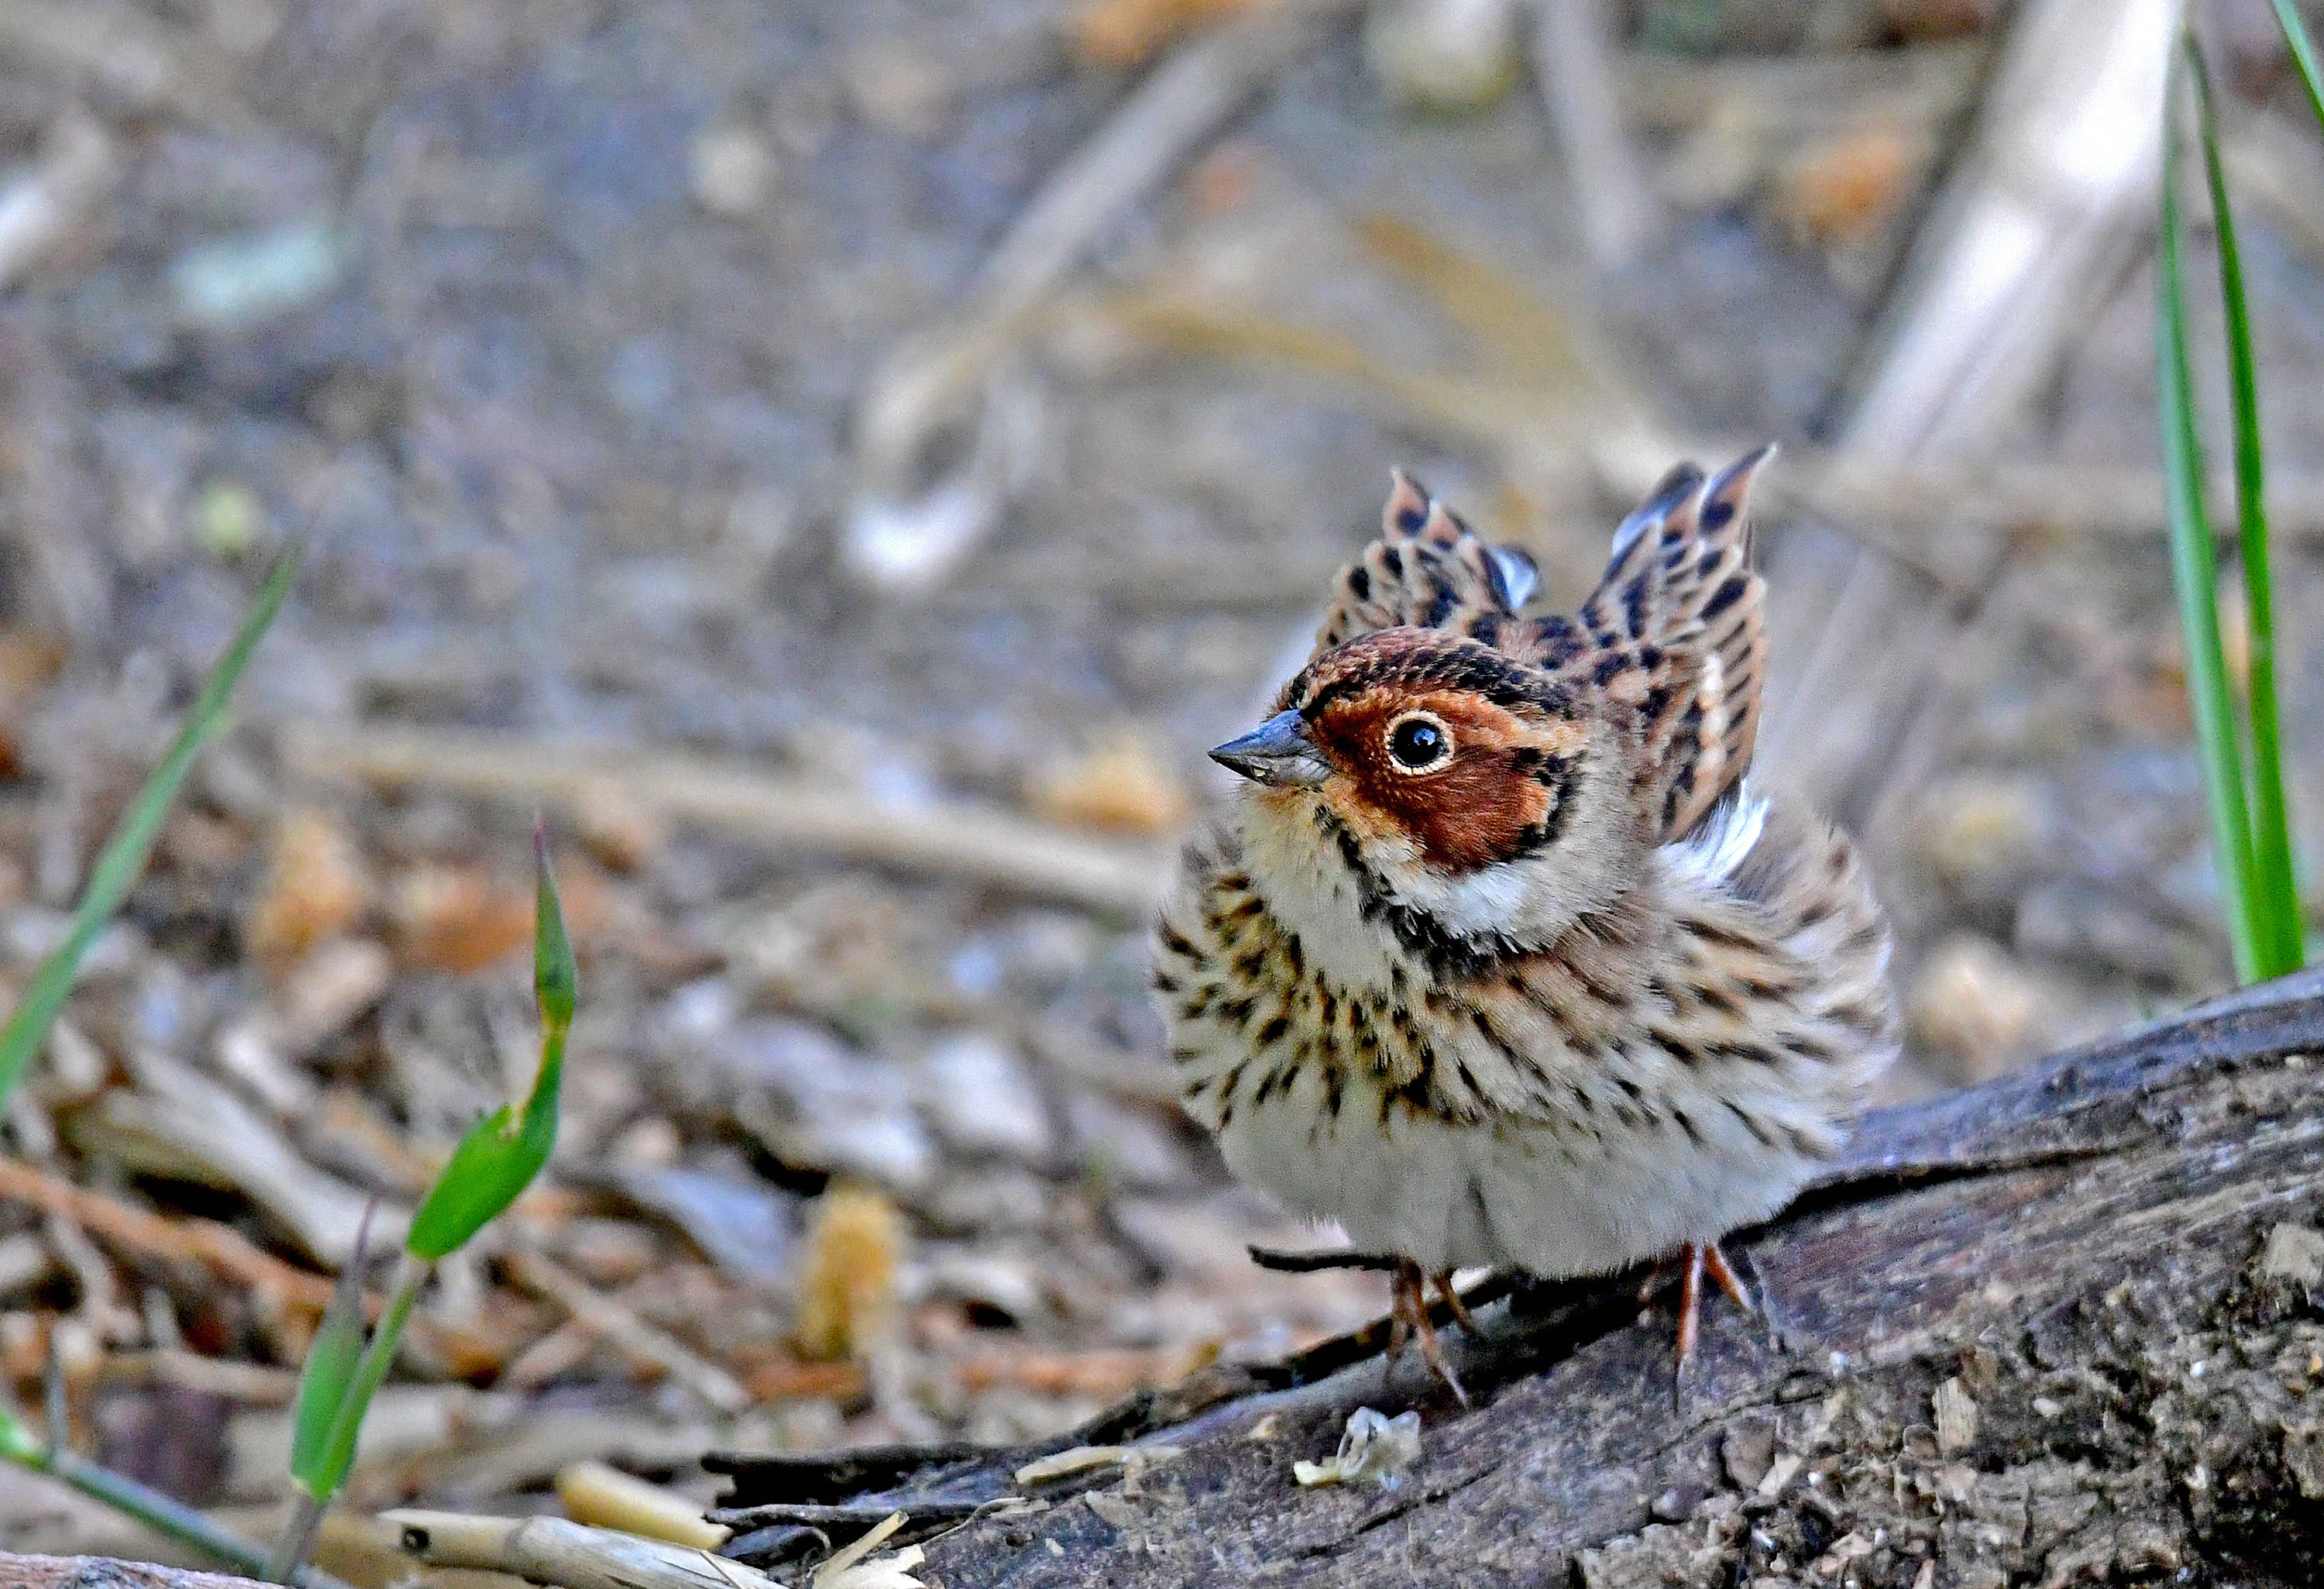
x: 1675, y: 632
x: 1427, y: 571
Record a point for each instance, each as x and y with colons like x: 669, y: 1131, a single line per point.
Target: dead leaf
x: 1120, y: 785
x: 847, y: 1281
x: 1844, y: 189
x: 316, y: 887
x: 456, y: 919
x: 1122, y: 33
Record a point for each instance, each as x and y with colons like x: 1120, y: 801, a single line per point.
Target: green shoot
x: 490, y: 1168
x: 170, y: 1518
x: 499, y: 1158
x: 117, y: 869
x: 332, y: 1358
x: 2251, y: 843
x: 2274, y: 891
x: 2303, y: 54
x: 2191, y: 554
x: 110, y: 880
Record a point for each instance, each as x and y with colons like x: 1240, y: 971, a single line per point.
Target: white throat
x: 1309, y: 889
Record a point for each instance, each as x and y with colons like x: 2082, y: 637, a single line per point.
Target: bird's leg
x: 1409, y: 1320
x: 1690, y: 1300
x: 1692, y: 1262
x: 1453, y: 1300
x: 1715, y: 1262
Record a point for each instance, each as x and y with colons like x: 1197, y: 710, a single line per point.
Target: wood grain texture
x: 101, y: 1572
x: 2069, y: 1254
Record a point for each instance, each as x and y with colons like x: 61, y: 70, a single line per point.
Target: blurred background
x: 844, y: 463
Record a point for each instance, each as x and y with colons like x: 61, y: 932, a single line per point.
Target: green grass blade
x: 555, y: 979
x: 499, y: 1158
x: 2192, y: 553
x: 2303, y: 54
x: 2275, y: 895
x: 336, y: 1453
x: 330, y: 1369
x: 124, y: 853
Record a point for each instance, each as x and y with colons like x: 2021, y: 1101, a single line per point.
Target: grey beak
x: 1277, y: 752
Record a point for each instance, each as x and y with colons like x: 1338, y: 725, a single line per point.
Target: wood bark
x: 2060, y: 1329
x: 102, y: 1572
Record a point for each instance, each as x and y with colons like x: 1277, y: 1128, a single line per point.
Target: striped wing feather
x: 1675, y: 629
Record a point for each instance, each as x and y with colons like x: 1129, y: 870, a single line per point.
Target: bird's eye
x: 1419, y: 742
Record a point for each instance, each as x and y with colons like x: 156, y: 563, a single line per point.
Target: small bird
x: 1498, y: 960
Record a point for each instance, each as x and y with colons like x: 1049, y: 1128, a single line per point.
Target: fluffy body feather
x: 1497, y: 961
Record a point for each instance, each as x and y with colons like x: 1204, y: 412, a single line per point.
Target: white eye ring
x: 1421, y: 735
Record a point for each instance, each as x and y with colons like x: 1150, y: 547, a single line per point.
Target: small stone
x: 1780, y: 1472
x: 989, y: 1202
x: 2303, y: 1455
x: 1956, y: 1417
x: 1115, y: 1510
x: 1128, y: 1146
x: 731, y: 171
x: 620, y: 829
x: 740, y: 1222
x: 2294, y: 1253
x: 1747, y: 1451
x: 980, y: 1098
x: 1443, y: 55
x: 1006, y: 1285
x: 653, y: 1143
x: 328, y: 990
x: 606, y: 1251
x: 897, y: 89
x: 237, y: 282
x: 1972, y: 1003
x: 1677, y: 1503
x: 1983, y: 833
x: 815, y: 1101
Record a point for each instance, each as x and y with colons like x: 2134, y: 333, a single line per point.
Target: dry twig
x: 188, y: 1240
x: 611, y: 1320
x: 552, y: 1550
x: 959, y: 840
x: 1181, y: 104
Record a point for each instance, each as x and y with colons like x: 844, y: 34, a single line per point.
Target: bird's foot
x: 1692, y: 1262
x: 1458, y: 1309
x: 1408, y: 1320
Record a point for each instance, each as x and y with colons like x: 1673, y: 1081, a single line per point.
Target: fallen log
x: 2063, y: 1328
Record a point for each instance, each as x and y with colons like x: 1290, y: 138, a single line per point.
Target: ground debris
x: 1374, y: 1447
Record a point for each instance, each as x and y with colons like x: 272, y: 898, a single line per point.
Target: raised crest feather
x: 1674, y: 633
x: 1428, y: 570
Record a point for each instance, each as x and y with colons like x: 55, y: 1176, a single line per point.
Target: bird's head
x: 1452, y: 780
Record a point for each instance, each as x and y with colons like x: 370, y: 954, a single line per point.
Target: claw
x: 1694, y: 1261
x: 1409, y: 1320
